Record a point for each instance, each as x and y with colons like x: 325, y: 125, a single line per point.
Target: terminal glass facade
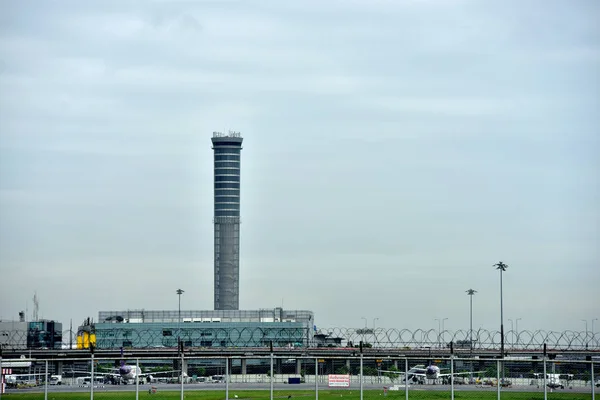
x: 210, y: 328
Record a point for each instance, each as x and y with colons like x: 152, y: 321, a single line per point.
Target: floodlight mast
x: 471, y: 293
x: 179, y: 293
x: 501, y: 267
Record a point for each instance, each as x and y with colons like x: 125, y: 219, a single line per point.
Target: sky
x: 393, y: 152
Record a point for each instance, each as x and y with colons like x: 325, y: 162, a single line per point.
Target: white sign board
x: 339, y: 380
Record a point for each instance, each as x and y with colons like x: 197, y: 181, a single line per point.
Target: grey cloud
x: 392, y: 150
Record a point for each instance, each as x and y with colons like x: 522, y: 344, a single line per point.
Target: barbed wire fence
x: 382, y: 338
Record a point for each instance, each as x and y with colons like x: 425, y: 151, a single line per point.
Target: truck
x: 55, y: 380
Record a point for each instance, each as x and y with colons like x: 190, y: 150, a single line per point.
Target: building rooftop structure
x: 173, y: 316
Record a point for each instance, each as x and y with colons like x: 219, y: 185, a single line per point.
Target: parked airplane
x: 553, y: 381
x: 420, y: 374
x: 129, y: 373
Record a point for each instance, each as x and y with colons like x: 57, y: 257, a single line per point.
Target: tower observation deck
x: 227, y: 150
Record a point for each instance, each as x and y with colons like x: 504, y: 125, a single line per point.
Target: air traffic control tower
x: 227, y: 149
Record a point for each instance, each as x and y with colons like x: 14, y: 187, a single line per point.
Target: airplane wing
x: 411, y: 372
x: 158, y: 373
x: 462, y: 373
x: 114, y: 372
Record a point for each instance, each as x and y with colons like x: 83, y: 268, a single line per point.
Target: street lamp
x: 179, y: 293
x: 471, y: 293
x: 517, y: 329
x: 364, y: 330
x: 374, y: 319
x: 440, y: 330
x: 512, y: 328
x: 593, y: 338
x: 502, y: 267
x: 586, y: 331
x: 373, y: 331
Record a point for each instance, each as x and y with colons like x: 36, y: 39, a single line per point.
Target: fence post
x: 92, y: 375
x: 406, y: 378
x: 272, y: 375
x: 137, y: 379
x: 46, y: 382
x: 498, y: 384
x: 226, y: 378
x: 361, y: 370
x: 181, y: 371
x: 316, y: 378
x: 452, y: 370
x: 592, y: 376
x: 545, y: 377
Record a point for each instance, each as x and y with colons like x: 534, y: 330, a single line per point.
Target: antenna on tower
x: 36, y: 306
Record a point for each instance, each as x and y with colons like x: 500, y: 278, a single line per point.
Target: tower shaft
x: 227, y: 151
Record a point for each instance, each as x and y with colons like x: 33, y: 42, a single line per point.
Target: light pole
x: 512, y: 329
x: 593, y: 338
x: 502, y: 267
x: 586, y: 331
x: 179, y: 293
x: 440, y: 330
x: 517, y: 330
x: 443, y: 327
x: 373, y: 332
x: 364, y: 330
x: 471, y: 293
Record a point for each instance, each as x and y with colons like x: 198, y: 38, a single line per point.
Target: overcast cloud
x: 393, y: 152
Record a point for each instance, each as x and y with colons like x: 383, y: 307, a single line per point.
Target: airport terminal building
x: 41, y: 334
x: 208, y: 328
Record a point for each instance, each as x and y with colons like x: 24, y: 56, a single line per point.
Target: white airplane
x: 421, y: 374
x: 129, y: 373
x: 553, y: 381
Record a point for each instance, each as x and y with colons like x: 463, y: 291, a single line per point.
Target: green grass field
x: 298, y: 395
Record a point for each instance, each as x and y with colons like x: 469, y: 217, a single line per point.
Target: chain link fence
x: 280, y: 376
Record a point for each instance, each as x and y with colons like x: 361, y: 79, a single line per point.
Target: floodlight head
x: 501, y: 266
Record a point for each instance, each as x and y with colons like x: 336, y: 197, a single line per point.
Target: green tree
x: 392, y: 373
x: 343, y: 370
